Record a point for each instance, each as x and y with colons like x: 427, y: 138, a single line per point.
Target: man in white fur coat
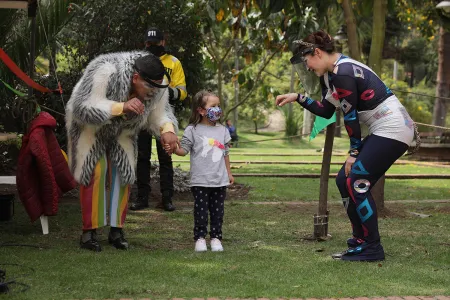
x: 118, y: 95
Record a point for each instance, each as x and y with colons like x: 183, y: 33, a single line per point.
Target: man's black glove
x: 170, y: 95
x: 174, y: 99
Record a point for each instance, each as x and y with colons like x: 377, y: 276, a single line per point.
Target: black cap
x: 150, y: 68
x: 154, y: 35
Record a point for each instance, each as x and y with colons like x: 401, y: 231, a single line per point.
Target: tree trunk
x: 375, y: 57
x: 256, y: 126
x: 219, y: 86
x: 411, y: 79
x: 378, y: 32
x: 443, y: 80
x: 52, y: 63
x: 337, y: 131
x: 307, y: 122
x: 291, y: 90
x: 236, y: 82
x: 350, y: 21
x: 378, y: 193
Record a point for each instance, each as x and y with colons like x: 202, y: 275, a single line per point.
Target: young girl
x: 208, y: 141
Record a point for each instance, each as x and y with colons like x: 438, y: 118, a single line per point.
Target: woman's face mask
x: 213, y: 114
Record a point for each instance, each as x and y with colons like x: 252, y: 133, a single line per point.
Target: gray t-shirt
x: 208, y: 145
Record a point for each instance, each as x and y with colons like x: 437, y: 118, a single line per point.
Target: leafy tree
x: 91, y: 32
x: 51, y: 17
x: 424, y: 17
x: 412, y: 55
x: 123, y: 28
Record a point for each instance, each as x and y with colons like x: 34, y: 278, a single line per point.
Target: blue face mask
x: 213, y: 114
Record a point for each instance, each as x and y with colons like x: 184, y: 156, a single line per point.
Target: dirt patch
x: 443, y: 209
x: 398, y: 212
x: 238, y: 191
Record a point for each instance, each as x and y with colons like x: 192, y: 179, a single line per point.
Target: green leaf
x: 211, y: 12
x: 250, y: 83
x: 241, y: 78
x: 276, y: 5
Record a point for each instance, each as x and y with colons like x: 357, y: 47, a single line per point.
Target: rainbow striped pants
x: 96, y: 200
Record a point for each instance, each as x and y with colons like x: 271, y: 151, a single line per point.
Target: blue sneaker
x: 364, y: 252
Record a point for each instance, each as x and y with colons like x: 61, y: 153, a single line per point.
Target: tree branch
x: 257, y: 78
x: 226, y: 53
x: 211, y: 51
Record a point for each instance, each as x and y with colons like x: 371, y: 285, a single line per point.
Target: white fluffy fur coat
x: 93, y: 131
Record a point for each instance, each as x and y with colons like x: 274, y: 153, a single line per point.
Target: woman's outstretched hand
x: 285, y: 99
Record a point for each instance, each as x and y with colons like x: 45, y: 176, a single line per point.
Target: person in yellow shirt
x: 155, y: 43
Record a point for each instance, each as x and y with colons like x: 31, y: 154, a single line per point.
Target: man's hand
x: 285, y: 99
x: 134, y: 106
x: 170, y: 142
x: 348, y: 165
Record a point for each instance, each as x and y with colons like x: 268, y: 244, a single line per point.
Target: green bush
x: 419, y: 107
x: 292, y: 120
x: 9, y: 152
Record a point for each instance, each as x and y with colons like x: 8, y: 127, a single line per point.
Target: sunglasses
x: 151, y: 81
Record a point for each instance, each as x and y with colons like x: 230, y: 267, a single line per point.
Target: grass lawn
x: 291, y: 189
x: 294, y: 189
x: 315, y: 169
x: 264, y: 256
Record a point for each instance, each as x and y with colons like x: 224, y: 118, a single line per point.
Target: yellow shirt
x: 175, y: 70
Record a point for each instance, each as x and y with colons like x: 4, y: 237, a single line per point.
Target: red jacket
x: 42, y: 171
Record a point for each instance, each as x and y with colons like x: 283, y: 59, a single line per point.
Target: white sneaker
x: 200, y: 245
x: 216, y: 245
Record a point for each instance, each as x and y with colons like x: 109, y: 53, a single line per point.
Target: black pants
x: 143, y: 167
x: 208, y: 199
x: 234, y: 139
x: 376, y: 157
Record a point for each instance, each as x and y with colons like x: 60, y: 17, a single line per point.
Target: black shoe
x: 117, y: 239
x: 91, y: 243
x: 167, y: 202
x: 364, y: 252
x: 139, y: 204
x: 168, y: 206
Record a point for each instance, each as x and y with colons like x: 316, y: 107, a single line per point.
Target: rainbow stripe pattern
x: 95, y: 200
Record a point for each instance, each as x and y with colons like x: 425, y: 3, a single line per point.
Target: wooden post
x: 337, y: 131
x: 321, y: 218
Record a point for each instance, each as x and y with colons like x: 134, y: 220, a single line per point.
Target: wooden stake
x: 321, y: 219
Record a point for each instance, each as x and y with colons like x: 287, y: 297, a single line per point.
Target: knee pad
x: 361, y: 186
